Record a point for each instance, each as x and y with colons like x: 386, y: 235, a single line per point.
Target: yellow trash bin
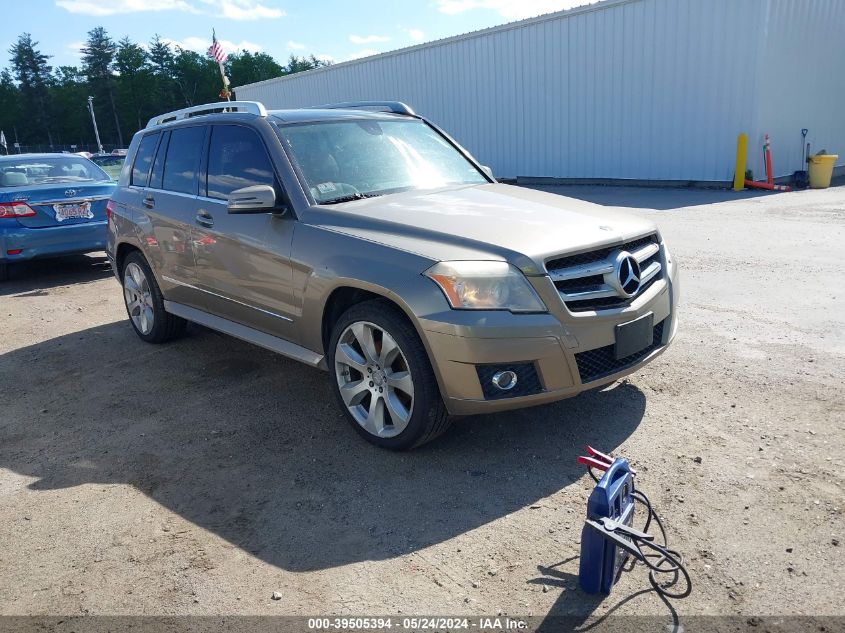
x: 821, y: 170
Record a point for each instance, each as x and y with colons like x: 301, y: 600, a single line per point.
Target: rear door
x: 243, y: 259
x: 168, y: 211
x: 132, y: 195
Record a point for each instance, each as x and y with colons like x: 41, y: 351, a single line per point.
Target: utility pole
x: 94, y: 121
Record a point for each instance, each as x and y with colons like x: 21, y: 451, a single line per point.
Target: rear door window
x: 183, y: 158
x: 237, y: 158
x: 143, y: 160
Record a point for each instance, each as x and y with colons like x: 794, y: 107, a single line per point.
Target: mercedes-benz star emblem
x: 70, y: 192
x: 627, y: 273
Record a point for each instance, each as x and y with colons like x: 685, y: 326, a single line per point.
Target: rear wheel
x: 383, y: 378
x: 4, y: 272
x: 145, y: 303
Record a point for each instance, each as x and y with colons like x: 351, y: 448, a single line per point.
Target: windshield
x: 19, y: 172
x: 346, y: 160
x: 111, y: 164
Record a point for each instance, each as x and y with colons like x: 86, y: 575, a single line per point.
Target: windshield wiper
x: 350, y: 198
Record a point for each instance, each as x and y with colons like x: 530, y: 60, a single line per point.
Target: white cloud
x: 295, y: 46
x: 245, y: 10
x: 112, y: 7
x: 367, y: 39
x: 75, y: 48
x: 363, y: 53
x: 201, y: 45
x: 416, y: 35
x: 231, y: 9
x: 510, y: 9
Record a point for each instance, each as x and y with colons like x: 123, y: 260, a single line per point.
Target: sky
x: 334, y: 30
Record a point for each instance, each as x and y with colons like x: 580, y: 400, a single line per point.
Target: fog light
x: 504, y: 380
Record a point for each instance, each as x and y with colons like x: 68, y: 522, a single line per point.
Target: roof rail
x: 397, y: 107
x: 253, y: 107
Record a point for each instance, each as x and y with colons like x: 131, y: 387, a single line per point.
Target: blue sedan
x: 50, y: 205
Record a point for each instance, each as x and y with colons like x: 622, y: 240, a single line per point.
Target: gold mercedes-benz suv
x: 361, y: 239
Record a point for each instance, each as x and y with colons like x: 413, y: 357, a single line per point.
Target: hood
x: 492, y: 221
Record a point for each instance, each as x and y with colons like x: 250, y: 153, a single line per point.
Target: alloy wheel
x: 138, y: 297
x: 374, y: 379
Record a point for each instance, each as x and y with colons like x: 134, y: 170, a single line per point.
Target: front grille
x: 527, y: 383
x: 598, y: 363
x: 595, y: 256
x: 585, y: 281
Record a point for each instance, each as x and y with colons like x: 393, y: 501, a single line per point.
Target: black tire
x: 4, y: 272
x: 429, y: 417
x: 165, y: 325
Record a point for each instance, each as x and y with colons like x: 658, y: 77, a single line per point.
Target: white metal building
x: 622, y: 89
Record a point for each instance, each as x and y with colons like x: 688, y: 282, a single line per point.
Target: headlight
x: 485, y: 285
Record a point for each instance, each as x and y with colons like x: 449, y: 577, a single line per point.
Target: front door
x: 243, y: 260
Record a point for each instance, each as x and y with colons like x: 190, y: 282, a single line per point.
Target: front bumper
x: 551, y: 345
x: 50, y: 241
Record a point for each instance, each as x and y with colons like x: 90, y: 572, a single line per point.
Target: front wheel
x: 383, y: 378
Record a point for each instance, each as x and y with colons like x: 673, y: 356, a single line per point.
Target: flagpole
x: 225, y: 80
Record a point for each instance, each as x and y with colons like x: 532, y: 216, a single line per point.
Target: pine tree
x: 135, y: 82
x: 32, y: 73
x: 97, y: 64
x: 162, y: 62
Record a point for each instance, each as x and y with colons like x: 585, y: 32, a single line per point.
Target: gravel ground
x: 202, y: 476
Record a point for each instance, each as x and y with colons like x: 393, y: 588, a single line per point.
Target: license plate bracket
x: 73, y: 211
x: 634, y: 336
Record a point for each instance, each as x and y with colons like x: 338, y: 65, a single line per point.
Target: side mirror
x: 487, y: 170
x: 254, y: 199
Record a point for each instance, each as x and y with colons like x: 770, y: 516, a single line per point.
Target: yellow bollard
x: 741, y: 152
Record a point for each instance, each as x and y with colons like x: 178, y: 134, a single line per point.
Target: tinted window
x: 183, y: 157
x: 236, y: 159
x: 158, y: 164
x: 143, y: 159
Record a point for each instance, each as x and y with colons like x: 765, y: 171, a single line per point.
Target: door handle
x: 204, y: 218
x: 149, y: 202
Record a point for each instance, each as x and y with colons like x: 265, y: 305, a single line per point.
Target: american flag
x: 216, y: 51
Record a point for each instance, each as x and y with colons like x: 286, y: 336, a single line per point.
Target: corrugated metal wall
x: 626, y: 89
x: 802, y: 82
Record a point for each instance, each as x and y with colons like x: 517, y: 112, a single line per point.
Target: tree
x: 299, y: 64
x: 97, y: 60
x: 135, y: 82
x: 10, y: 113
x: 162, y: 62
x: 197, y: 77
x: 70, y: 117
x: 246, y: 68
x: 129, y: 83
x: 32, y: 73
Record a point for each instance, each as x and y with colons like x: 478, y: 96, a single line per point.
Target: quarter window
x: 143, y: 160
x: 183, y: 157
x: 236, y: 159
x: 158, y: 163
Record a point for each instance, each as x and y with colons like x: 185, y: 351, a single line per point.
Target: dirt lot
x: 201, y: 476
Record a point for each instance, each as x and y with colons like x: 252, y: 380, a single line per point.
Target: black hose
x: 660, y: 559
x: 668, y: 561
